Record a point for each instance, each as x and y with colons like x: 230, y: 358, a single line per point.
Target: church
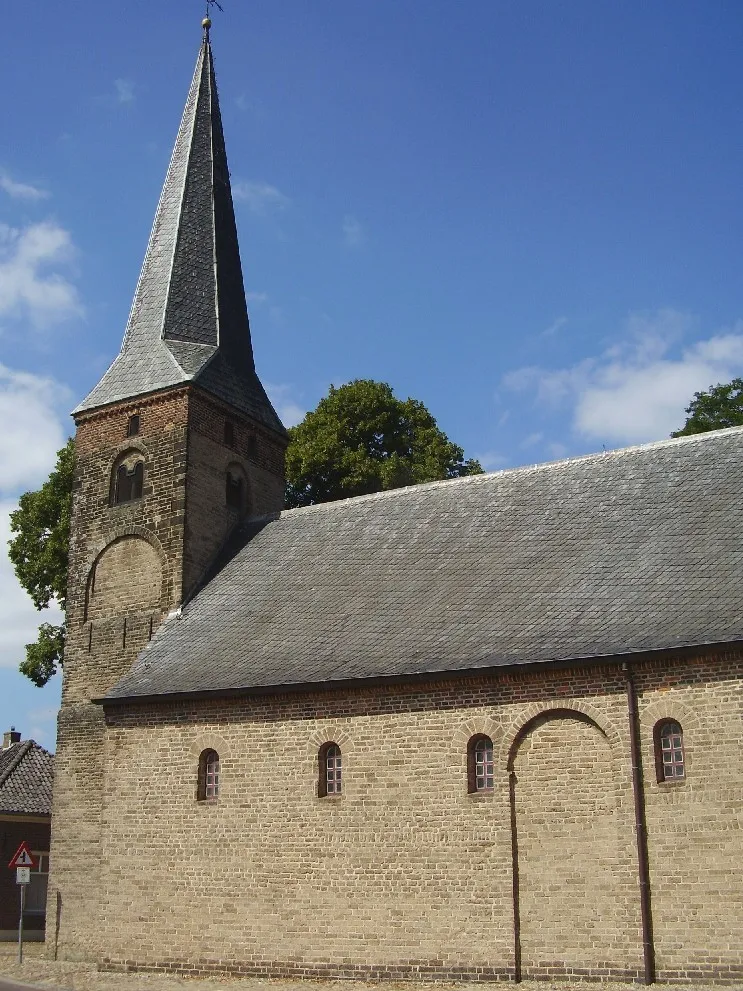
x: 480, y: 729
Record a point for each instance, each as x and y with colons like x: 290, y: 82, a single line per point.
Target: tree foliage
x: 721, y: 406
x: 38, y: 551
x: 362, y: 439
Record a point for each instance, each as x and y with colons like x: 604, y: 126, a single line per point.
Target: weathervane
x: 207, y: 22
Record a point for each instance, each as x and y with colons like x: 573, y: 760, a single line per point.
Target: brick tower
x: 175, y: 446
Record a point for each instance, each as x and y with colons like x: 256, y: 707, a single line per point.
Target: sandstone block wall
x: 256, y: 455
x: 407, y: 874
x: 130, y: 564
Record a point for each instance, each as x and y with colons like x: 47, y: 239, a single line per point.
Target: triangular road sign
x: 23, y: 857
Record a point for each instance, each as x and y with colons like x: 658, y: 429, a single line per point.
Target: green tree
x: 361, y: 439
x: 38, y: 551
x: 720, y: 406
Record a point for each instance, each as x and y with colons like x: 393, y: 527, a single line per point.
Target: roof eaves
x: 448, y: 674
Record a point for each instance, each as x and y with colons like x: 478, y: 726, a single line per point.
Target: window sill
x: 671, y: 784
x: 481, y: 795
x: 207, y: 801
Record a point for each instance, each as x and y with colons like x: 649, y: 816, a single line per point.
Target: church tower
x: 175, y: 446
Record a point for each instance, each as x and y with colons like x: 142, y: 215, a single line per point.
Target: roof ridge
x: 23, y: 749
x: 540, y: 466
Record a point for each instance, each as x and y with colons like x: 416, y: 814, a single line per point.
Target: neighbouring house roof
x: 26, y: 775
x: 630, y: 550
x: 189, y: 318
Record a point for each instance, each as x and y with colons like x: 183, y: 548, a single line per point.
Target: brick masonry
x: 130, y: 564
x: 407, y: 875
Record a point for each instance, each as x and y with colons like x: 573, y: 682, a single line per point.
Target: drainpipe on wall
x: 515, y: 876
x: 638, y: 791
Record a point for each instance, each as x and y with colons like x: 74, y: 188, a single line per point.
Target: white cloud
x: 638, y: 389
x: 42, y: 721
x: 28, y: 288
x: 19, y: 619
x: 21, y: 190
x: 124, y: 90
x: 532, y: 439
x: 491, y: 460
x: 258, y: 298
x: 553, y: 328
x: 289, y: 410
x: 28, y: 443
x: 353, y: 232
x: 260, y: 197
x: 28, y: 447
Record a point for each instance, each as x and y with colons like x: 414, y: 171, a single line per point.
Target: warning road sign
x: 22, y: 857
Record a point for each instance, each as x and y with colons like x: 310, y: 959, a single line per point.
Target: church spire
x: 189, y: 318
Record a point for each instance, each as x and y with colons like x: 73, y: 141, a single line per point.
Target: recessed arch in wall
x: 238, y: 495
x: 126, y: 576
x: 571, y: 852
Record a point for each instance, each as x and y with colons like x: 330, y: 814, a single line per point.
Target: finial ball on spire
x: 206, y: 23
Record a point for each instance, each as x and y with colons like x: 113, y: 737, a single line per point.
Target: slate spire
x: 189, y: 319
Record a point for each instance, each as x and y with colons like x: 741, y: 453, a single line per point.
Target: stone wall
x: 255, y: 454
x: 407, y: 874
x: 130, y: 564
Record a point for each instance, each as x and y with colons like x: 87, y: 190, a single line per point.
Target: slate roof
x: 630, y: 550
x: 189, y: 319
x: 26, y: 775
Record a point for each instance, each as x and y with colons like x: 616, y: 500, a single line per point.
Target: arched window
x: 330, y: 770
x: 480, y: 766
x: 128, y: 481
x: 234, y: 491
x: 132, y: 427
x: 229, y: 433
x: 252, y: 447
x: 208, y: 786
x: 669, y: 751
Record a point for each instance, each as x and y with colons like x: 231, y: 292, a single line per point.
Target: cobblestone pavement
x: 36, y: 970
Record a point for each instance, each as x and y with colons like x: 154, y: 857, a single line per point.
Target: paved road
x: 6, y: 985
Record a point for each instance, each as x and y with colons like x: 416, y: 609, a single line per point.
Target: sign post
x: 23, y: 861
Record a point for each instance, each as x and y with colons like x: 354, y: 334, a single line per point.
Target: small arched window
x: 229, y: 433
x: 208, y: 785
x: 669, y: 751
x: 480, y: 766
x: 330, y: 770
x: 129, y: 482
x: 252, y: 447
x: 132, y: 427
x: 234, y: 491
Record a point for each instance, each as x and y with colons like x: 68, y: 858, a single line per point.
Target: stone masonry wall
x: 576, y: 851
x: 256, y: 455
x: 407, y: 874
x: 126, y: 571
x: 108, y: 623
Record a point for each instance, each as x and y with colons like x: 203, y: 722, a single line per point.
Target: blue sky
x: 527, y: 215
